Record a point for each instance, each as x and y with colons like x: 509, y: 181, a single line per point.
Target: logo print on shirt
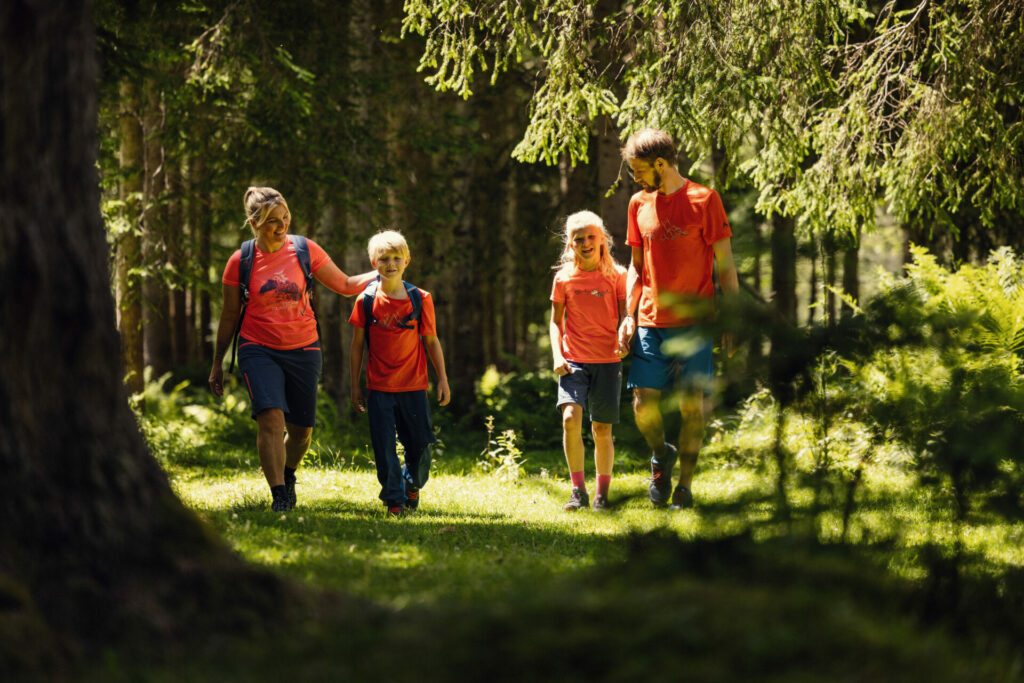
x: 391, y: 320
x: 591, y: 292
x: 668, y: 232
x: 284, y: 289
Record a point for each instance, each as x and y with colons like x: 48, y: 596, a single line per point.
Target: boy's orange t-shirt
x: 278, y: 314
x: 590, y: 330
x: 676, y: 232
x: 397, y: 360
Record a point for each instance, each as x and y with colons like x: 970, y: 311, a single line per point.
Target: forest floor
x: 491, y: 579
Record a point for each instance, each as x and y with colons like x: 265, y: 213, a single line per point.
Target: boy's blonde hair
x: 567, y: 261
x: 258, y: 203
x: 387, y: 241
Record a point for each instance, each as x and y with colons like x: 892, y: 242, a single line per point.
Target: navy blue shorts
x: 595, y: 386
x: 282, y: 379
x: 667, y: 358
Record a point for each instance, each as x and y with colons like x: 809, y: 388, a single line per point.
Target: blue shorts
x: 668, y: 358
x: 595, y: 386
x: 281, y: 379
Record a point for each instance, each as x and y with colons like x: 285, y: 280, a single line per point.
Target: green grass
x: 492, y: 580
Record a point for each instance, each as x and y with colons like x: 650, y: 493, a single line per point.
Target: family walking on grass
x: 677, y: 231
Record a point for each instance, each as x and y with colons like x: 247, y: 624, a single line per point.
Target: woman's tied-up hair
x: 259, y: 202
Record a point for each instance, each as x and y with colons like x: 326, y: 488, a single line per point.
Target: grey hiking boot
x: 601, y: 502
x: 661, y: 477
x: 682, y: 498
x: 578, y: 499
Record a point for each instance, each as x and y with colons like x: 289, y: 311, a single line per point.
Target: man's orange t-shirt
x: 278, y: 314
x: 676, y: 232
x: 398, y: 361
x: 589, y: 334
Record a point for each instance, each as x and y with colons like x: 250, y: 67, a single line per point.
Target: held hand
x: 217, y: 379
x: 626, y: 330
x: 622, y: 351
x: 444, y: 394
x: 562, y: 367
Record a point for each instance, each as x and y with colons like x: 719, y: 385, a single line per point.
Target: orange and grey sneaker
x: 682, y: 498
x: 578, y: 499
x: 661, y: 476
x: 412, y: 498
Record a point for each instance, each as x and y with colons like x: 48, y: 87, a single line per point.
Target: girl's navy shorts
x: 282, y: 379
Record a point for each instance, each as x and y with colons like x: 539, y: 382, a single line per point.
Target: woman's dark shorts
x: 282, y: 379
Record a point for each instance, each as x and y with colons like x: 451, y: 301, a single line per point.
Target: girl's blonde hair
x: 387, y: 241
x: 567, y: 261
x: 259, y: 202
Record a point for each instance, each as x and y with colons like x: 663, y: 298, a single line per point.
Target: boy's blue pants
x: 408, y: 414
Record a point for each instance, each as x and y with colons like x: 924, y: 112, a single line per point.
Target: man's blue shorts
x: 595, y: 386
x: 282, y: 379
x: 668, y: 358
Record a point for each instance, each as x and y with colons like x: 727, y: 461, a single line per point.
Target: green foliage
x: 523, y: 402
x: 501, y: 458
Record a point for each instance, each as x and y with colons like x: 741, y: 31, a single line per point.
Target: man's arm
x: 355, y: 359
x: 555, y: 333
x: 728, y: 280
x: 444, y: 393
x: 633, y: 289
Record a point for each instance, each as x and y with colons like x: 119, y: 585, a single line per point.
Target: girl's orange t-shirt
x: 589, y: 334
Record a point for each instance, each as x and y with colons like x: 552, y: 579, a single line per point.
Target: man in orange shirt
x: 677, y: 230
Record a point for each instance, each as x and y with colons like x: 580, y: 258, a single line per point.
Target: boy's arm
x: 355, y: 356
x: 333, y: 278
x: 433, y: 344
x: 633, y: 288
x: 555, y: 331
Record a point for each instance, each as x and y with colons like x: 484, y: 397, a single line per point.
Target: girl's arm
x: 444, y: 394
x: 330, y: 276
x: 621, y: 351
x: 555, y: 331
x: 633, y: 289
x: 355, y: 359
x: 225, y: 331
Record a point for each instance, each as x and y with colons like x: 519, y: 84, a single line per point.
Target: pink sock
x: 603, y: 482
x: 578, y: 482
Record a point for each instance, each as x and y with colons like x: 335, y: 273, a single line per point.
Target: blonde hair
x: 259, y: 202
x: 387, y: 241
x: 567, y: 261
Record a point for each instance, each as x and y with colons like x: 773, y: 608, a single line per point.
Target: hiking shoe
x: 601, y: 502
x: 279, y: 505
x: 578, y: 499
x: 682, y: 499
x: 661, y: 477
x: 396, y: 511
x: 289, y: 490
x: 412, y: 498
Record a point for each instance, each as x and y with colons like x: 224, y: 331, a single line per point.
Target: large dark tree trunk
x: 94, y: 546
x: 783, y: 241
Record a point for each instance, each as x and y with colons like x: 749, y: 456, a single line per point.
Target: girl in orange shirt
x: 587, y: 302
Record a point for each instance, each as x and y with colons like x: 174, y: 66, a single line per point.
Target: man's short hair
x: 650, y: 144
x: 385, y: 242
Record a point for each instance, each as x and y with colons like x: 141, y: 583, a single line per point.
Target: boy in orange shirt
x: 396, y: 371
x: 587, y: 301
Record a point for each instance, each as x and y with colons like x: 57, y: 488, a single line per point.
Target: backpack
x: 370, y: 293
x: 245, y: 274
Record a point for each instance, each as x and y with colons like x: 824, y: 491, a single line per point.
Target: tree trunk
x: 156, y: 324
x: 783, y: 241
x: 829, y: 244
x: 851, y: 274
x: 610, y: 178
x: 129, y: 251
x: 812, y: 298
x: 177, y: 259
x: 96, y: 548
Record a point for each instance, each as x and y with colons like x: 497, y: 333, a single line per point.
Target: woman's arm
x: 330, y: 276
x: 225, y: 331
